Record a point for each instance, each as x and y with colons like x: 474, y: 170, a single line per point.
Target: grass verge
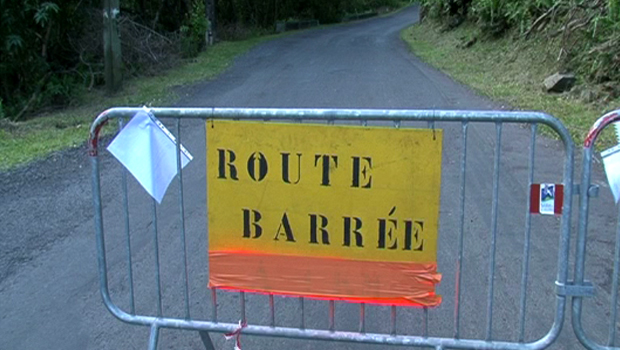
x: 506, y: 70
x: 24, y: 142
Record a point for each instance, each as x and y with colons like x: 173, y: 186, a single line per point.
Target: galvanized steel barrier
x: 583, y: 287
x: 397, y: 118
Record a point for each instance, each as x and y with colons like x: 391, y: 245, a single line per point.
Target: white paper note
x: 148, y: 150
x: 611, y: 160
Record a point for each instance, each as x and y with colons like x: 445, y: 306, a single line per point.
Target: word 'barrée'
x: 387, y: 229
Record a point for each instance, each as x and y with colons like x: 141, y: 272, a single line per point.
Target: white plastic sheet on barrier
x: 148, y: 150
x: 611, y: 161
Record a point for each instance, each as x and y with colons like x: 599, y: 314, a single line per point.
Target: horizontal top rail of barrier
x: 337, y: 114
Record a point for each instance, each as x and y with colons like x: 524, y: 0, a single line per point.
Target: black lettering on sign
x: 325, y: 166
x: 356, y: 231
x: 223, y: 163
x: 285, y: 168
x: 387, y: 237
x: 285, y: 229
x: 257, y: 160
x: 412, y: 238
x: 361, y: 172
x: 314, y: 228
x: 413, y: 235
x: 248, y: 223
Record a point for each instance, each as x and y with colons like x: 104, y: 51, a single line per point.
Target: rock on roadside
x: 559, y: 82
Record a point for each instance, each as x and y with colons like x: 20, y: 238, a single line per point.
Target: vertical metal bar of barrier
x: 526, y: 239
x: 494, y: 216
x: 213, y: 289
x: 430, y: 125
x: 332, y: 315
x: 182, y: 214
x: 102, y: 264
x: 459, y: 261
x: 393, y: 320
x: 362, y: 327
x: 393, y: 307
x: 242, y: 303
x: 425, y: 330
x: 214, y: 304
x: 132, y: 304
x: 302, y: 324
x: 272, y: 311
x: 581, y: 241
x: 613, y: 312
x: 565, y: 228
x: 157, y: 267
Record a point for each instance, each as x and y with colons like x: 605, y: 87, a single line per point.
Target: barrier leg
x: 206, y: 340
x: 153, y: 337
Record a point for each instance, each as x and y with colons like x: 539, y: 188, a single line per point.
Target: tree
x: 212, y: 19
x: 112, y: 46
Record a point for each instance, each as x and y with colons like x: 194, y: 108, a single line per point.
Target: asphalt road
x: 49, y: 296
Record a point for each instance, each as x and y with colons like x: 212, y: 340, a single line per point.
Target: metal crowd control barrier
x: 585, y: 288
x: 460, y: 121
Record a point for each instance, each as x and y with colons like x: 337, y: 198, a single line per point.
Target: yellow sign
x: 360, y: 193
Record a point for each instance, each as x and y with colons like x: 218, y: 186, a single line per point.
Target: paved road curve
x: 48, y: 281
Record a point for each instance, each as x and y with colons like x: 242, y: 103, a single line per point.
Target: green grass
x: 506, y: 70
x: 24, y: 142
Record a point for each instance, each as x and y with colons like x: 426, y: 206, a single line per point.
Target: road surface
x: 49, y: 296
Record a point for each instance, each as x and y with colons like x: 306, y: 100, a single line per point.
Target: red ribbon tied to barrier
x: 236, y: 334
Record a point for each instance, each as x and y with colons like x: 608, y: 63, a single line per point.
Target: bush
x: 52, y: 50
x: 193, y: 30
x: 239, y: 15
x: 588, y: 32
x: 599, y: 53
x: 33, y: 48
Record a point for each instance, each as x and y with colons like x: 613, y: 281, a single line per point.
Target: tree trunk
x: 211, y: 17
x: 188, y: 7
x: 156, y: 19
x: 112, y: 46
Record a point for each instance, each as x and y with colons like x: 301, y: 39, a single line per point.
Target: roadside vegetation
x: 505, y: 50
x: 41, y: 134
x: 52, y: 71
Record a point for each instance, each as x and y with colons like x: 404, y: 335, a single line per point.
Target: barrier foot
x: 153, y: 337
x: 206, y: 340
